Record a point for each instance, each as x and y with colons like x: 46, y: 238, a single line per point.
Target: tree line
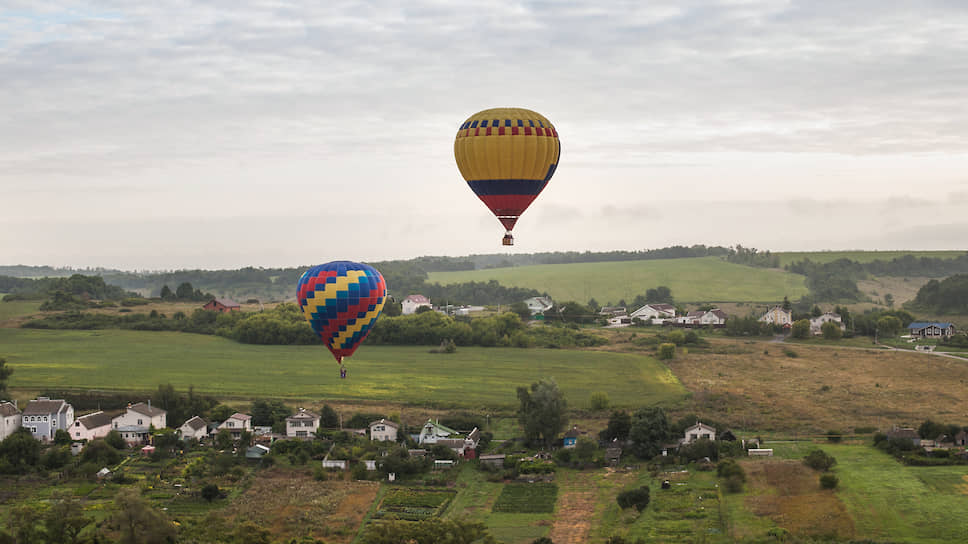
x: 948, y: 296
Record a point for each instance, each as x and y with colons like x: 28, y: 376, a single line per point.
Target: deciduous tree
x: 542, y: 412
x: 649, y: 430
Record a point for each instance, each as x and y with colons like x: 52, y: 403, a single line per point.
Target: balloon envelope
x: 341, y: 301
x: 507, y: 156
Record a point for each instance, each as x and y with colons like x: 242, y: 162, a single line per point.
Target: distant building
x: 236, y: 424
x: 222, y: 305
x: 571, y: 437
x: 539, y: 305
x: 44, y: 416
x: 10, y: 419
x: 303, y: 424
x: 778, y: 316
x: 816, y: 323
x: 921, y: 329
x: 655, y: 312
x: 412, y: 302
x: 91, y: 426
x: 142, y: 415
x: 384, y: 429
x: 699, y: 431
x: 195, y: 427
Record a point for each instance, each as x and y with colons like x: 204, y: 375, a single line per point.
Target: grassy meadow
x: 706, y: 279
x: 472, y: 377
x: 787, y: 257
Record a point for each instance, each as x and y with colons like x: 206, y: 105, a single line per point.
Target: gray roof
x: 95, y: 420
x: 45, y: 406
x: 8, y: 409
x: 303, y: 414
x: 196, y: 423
x: 150, y: 411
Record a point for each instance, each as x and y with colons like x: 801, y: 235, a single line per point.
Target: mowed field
x: 706, y: 279
x: 117, y: 360
x: 787, y: 257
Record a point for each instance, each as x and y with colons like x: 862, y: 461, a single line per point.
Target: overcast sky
x: 163, y: 135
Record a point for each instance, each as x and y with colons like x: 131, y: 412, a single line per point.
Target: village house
x: 571, y: 437
x: 816, y: 323
x: 495, y: 460
x: 236, y: 424
x: 539, y: 305
x: 920, y: 329
x: 141, y: 415
x: 222, y: 305
x: 433, y: 431
x: 778, y: 316
x: 384, y: 429
x: 91, y: 426
x: 657, y: 313
x: 412, y: 302
x: 44, y: 416
x: 465, y: 448
x: 698, y: 431
x: 303, y: 424
x: 10, y: 419
x: 613, y: 311
x: 714, y: 318
x: 904, y: 433
x: 195, y: 427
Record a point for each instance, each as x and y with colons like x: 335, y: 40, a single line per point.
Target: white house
x: 141, y: 415
x: 10, y: 417
x: 613, y: 311
x: 714, y: 317
x: 432, y: 432
x: 539, y: 305
x: 466, y: 447
x: 303, y: 424
x: 412, y: 302
x: 384, y: 430
x: 657, y: 312
x: 778, y: 316
x: 816, y: 323
x: 195, y: 427
x: 91, y: 426
x: 44, y: 416
x: 236, y: 423
x: 698, y: 432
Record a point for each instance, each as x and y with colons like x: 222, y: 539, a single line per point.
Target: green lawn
x: 472, y: 377
x: 475, y: 499
x: 707, y: 279
x: 788, y: 257
x: 897, y: 503
x: 20, y: 308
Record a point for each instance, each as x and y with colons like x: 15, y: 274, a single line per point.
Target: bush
x: 834, y: 436
x: 819, y: 460
x: 639, y: 498
x: 829, y: 480
x: 728, y: 468
x: 733, y: 484
x: 667, y: 351
x: 599, y: 400
x: 790, y: 353
x: 210, y: 492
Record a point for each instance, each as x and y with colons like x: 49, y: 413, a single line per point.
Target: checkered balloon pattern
x: 341, y: 301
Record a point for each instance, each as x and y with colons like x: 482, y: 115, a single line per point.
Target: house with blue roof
x: 924, y: 329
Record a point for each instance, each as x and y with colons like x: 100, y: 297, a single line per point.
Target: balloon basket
x: 508, y: 240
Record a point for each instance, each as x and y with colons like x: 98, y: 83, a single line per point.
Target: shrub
x: 728, y: 468
x: 829, y: 480
x: 819, y: 460
x: 210, y: 492
x: 599, y: 400
x: 790, y: 353
x: 667, y: 351
x: 834, y: 436
x: 639, y: 498
x: 733, y: 484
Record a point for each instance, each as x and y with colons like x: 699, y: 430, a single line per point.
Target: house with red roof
x: 222, y: 305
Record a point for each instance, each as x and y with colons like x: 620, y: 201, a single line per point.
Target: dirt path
x: 573, y: 520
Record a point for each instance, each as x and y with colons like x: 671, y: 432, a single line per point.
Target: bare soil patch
x: 573, y: 520
x: 757, y: 386
x: 789, y: 493
x: 293, y: 504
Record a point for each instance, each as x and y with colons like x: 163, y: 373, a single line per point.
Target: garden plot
x: 536, y: 498
x: 413, y: 504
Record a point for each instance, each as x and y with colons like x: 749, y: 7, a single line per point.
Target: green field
x: 472, y: 377
x: 788, y: 257
x: 706, y: 279
x: 12, y: 310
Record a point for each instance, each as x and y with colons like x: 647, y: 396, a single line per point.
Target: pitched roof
x: 227, y: 302
x: 195, y: 423
x: 8, y: 409
x: 662, y: 306
x: 695, y: 313
x: 146, y: 409
x: 95, y: 420
x: 303, y: 414
x: 240, y: 416
x: 903, y: 433
x: 572, y: 433
x: 386, y: 422
x: 926, y: 324
x: 700, y: 426
x: 718, y: 313
x: 417, y: 299
x: 43, y: 406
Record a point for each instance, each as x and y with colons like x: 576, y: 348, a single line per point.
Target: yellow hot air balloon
x: 507, y: 156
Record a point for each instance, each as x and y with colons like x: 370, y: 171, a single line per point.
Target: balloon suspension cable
x: 508, y: 239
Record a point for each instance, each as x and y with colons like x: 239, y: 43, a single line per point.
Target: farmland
x: 706, y: 279
x: 472, y: 377
x: 787, y: 257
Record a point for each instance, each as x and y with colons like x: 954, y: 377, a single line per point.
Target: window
x: 139, y: 422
